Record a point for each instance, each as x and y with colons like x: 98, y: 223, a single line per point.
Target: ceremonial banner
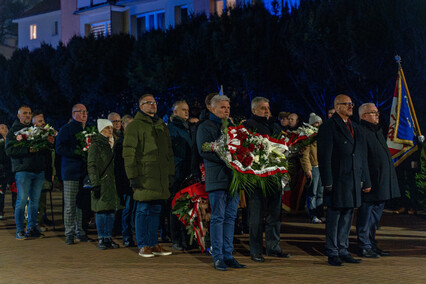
x: 403, y: 126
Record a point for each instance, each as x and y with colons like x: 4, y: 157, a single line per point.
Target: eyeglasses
x: 116, y: 121
x: 347, y: 104
x: 82, y: 111
x: 149, y: 103
x: 373, y: 113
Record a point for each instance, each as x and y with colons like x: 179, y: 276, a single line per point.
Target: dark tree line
x: 300, y: 61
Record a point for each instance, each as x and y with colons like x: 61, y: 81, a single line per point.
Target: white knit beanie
x: 102, y: 123
x: 313, y: 118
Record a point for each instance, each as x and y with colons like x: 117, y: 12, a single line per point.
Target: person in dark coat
x: 124, y: 190
x: 28, y: 164
x: 259, y: 206
x: 6, y: 176
x: 73, y: 169
x: 218, y: 178
x: 100, y: 168
x: 344, y: 173
x: 182, y: 145
x: 384, y: 183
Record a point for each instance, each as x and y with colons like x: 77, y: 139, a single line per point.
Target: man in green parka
x: 148, y: 159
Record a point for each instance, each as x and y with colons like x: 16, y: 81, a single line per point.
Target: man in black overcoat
x: 344, y: 173
x: 384, y: 183
x: 259, y: 206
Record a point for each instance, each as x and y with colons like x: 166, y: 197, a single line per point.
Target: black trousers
x: 260, y: 207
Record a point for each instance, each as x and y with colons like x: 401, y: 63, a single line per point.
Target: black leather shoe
x: 381, y: 252
x: 368, y: 253
x: 234, y: 263
x: 278, y: 254
x: 220, y: 265
x: 257, y: 258
x: 335, y: 260
x: 349, y: 259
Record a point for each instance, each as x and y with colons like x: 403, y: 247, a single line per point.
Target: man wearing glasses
x: 73, y: 169
x: 384, y: 183
x: 344, y: 172
x: 148, y: 160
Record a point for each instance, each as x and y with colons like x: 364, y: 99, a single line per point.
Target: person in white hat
x: 100, y: 166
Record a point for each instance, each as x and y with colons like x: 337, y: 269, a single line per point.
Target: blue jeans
x: 147, y: 221
x: 128, y: 220
x: 315, y: 192
x: 104, y: 224
x: 28, y: 185
x: 224, y: 212
x: 367, y: 222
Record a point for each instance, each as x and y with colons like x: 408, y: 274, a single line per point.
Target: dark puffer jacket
x: 22, y: 159
x: 148, y: 157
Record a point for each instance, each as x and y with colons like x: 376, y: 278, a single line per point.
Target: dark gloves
x: 134, y: 183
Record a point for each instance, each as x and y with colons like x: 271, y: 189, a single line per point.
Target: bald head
x: 79, y: 113
x: 343, y: 106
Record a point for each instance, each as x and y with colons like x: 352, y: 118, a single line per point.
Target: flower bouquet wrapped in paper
x: 37, y: 138
x: 84, y: 140
x: 300, y: 138
x: 257, y: 161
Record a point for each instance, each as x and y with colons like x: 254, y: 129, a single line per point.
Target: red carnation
x: 251, y: 147
x: 247, y: 161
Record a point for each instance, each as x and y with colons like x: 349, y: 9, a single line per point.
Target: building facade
x: 54, y: 21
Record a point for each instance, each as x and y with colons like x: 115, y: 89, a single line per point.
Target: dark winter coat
x: 148, y: 157
x: 22, y: 159
x: 262, y: 125
x: 218, y: 175
x: 180, y: 135
x: 6, y: 176
x: 342, y: 163
x: 121, y: 181
x: 384, y: 182
x: 98, y: 161
x: 72, y: 165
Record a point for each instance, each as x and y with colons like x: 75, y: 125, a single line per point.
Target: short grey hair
x: 177, y: 103
x: 363, y: 108
x: 111, y: 114
x: 217, y: 99
x: 255, y: 102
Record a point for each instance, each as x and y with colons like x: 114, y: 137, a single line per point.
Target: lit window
x: 33, y: 32
x: 150, y: 21
x: 101, y: 29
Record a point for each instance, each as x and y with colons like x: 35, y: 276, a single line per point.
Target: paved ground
x: 49, y: 260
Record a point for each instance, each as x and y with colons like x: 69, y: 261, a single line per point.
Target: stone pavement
x: 49, y: 260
